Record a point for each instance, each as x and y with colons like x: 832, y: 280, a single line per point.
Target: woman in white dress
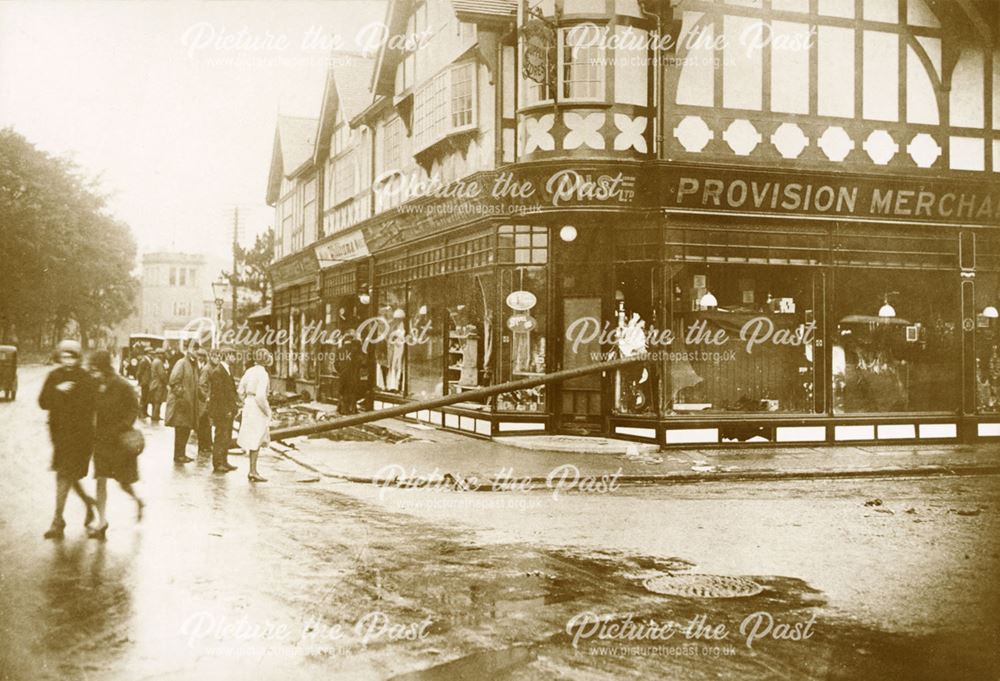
x: 255, y: 424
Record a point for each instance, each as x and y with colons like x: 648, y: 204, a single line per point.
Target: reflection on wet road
x: 299, y: 580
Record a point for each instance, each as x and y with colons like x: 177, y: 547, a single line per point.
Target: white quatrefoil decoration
x: 789, y: 140
x: 538, y: 133
x: 742, y: 137
x: 631, y: 135
x: 693, y: 134
x: 583, y: 130
x: 924, y: 150
x: 880, y: 147
x: 836, y: 143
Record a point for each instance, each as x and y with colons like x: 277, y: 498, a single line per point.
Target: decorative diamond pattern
x: 836, y: 143
x: 789, y: 140
x: 880, y: 147
x: 924, y: 150
x: 583, y: 130
x: 631, y: 135
x: 693, y: 134
x: 538, y: 133
x: 742, y: 137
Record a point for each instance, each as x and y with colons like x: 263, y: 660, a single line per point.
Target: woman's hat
x: 69, y: 345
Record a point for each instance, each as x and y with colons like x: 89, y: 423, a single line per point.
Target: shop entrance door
x: 581, y: 402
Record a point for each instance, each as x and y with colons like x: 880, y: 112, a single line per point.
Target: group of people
x: 92, y: 411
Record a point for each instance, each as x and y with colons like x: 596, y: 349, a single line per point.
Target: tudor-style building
x: 802, y: 196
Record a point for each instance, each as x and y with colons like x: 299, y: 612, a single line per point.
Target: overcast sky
x: 171, y: 103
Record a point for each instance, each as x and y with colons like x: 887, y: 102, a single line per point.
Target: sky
x: 172, y: 104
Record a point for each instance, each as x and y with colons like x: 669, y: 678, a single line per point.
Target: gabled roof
x: 294, y: 138
x: 345, y: 94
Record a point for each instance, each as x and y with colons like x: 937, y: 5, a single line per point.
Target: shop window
x: 634, y: 318
x: 523, y: 305
x: 743, y: 340
x: 895, y: 344
x: 390, y: 368
x: 471, y: 331
x: 425, y: 354
x: 987, y: 302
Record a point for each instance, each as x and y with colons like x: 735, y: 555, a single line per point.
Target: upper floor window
x: 444, y: 105
x: 345, y: 186
x: 582, y: 66
x: 341, y: 138
x: 392, y: 144
x: 173, y: 276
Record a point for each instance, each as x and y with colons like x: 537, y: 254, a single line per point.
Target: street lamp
x: 219, y: 289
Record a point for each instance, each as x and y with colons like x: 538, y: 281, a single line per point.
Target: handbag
x: 132, y: 442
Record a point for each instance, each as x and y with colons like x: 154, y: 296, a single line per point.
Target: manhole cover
x: 703, y: 586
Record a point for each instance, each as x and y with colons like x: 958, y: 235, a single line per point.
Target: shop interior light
x: 567, y: 233
x: 708, y: 301
x: 991, y: 312
x: 886, y: 310
x: 364, y: 298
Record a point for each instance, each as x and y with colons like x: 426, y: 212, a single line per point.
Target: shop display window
x: 743, y: 340
x: 471, y: 331
x: 426, y: 315
x: 523, y: 306
x: 390, y: 369
x: 896, y: 340
x: 634, y: 316
x: 987, y: 302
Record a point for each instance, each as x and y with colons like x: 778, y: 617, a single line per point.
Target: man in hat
x: 70, y: 397
x: 157, y: 383
x: 222, y: 405
x: 204, y: 423
x: 143, y: 375
x: 183, y: 401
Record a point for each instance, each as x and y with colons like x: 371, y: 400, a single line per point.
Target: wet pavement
x: 307, y: 577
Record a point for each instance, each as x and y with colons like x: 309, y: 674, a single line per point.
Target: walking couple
x: 90, y: 415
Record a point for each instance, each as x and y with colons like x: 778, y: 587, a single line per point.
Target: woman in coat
x: 158, y: 384
x: 68, y: 395
x: 256, y: 420
x: 117, y: 409
x: 182, y: 402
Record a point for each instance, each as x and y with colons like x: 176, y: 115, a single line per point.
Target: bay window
x: 445, y: 105
x: 581, y: 66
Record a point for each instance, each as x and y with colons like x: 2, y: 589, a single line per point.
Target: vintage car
x: 8, y: 371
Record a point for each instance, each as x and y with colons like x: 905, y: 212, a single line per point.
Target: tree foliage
x: 63, y: 258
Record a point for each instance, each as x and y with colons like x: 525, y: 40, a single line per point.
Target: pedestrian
x: 222, y: 403
x: 349, y: 362
x: 255, y: 424
x: 182, y: 401
x: 116, y: 412
x: 68, y: 395
x: 157, y: 384
x: 204, y: 423
x: 143, y: 373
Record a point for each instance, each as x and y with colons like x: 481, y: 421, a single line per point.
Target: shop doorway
x: 581, y: 399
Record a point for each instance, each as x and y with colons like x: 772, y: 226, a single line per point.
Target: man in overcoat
x: 183, y: 401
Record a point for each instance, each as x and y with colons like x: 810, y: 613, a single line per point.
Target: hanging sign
x: 521, y: 300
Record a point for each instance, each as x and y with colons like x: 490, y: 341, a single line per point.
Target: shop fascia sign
x: 818, y: 194
x: 294, y: 268
x: 516, y: 192
x: 342, y: 249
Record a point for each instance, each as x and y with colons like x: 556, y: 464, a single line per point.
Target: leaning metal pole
x: 479, y: 393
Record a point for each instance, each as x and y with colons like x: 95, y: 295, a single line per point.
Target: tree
x: 251, y: 269
x: 62, y: 256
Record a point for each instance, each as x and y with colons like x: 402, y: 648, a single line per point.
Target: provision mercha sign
x: 888, y: 198
x: 342, y: 249
x: 515, y: 191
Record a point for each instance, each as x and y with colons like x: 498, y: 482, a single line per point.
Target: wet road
x: 304, y: 579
